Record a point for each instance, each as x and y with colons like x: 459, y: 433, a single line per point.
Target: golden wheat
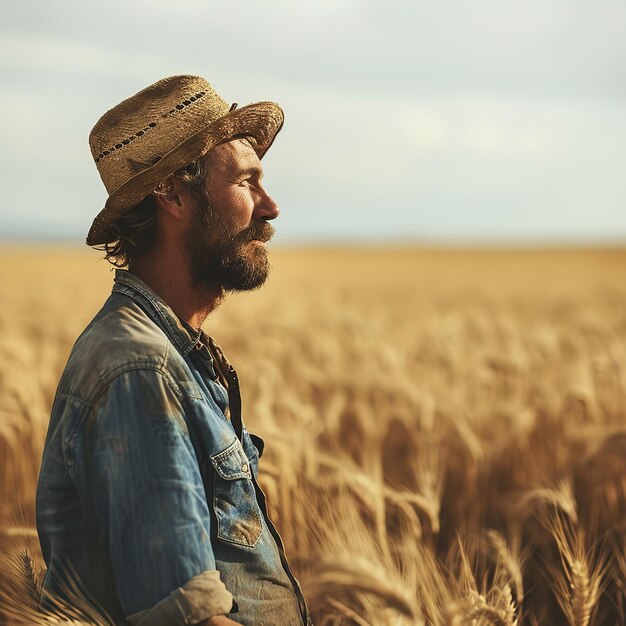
x: 445, y: 430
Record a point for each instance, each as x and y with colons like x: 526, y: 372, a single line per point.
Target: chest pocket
x: 234, y: 500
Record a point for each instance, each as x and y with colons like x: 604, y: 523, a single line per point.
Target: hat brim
x: 261, y: 120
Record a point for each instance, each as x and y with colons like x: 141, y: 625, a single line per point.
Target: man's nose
x: 266, y: 208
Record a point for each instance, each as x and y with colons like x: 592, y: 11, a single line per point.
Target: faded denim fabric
x: 148, y: 497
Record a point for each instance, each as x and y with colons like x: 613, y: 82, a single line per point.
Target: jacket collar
x: 183, y: 336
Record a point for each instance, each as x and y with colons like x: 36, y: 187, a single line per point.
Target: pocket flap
x: 232, y: 462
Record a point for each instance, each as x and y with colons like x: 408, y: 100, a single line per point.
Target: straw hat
x: 140, y: 142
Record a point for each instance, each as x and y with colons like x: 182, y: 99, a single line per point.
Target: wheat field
x: 445, y: 430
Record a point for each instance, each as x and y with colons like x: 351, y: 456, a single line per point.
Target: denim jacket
x: 148, y: 500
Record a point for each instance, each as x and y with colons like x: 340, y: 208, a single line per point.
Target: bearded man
x: 148, y: 503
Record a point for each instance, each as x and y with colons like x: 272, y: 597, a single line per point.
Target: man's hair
x: 134, y: 231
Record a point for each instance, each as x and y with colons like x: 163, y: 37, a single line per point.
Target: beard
x: 222, y: 257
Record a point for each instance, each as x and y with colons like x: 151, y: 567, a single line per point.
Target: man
x: 148, y: 501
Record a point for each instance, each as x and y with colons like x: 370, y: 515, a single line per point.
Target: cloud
x: 42, y: 54
x: 429, y: 130
x: 30, y: 130
x: 494, y: 129
x: 420, y: 117
x: 487, y: 139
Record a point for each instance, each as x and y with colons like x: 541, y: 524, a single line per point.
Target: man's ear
x: 173, y: 198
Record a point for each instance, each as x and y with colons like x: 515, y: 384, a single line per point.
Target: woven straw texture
x: 140, y: 142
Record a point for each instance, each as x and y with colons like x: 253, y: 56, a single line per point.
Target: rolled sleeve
x: 137, y: 473
x: 188, y: 604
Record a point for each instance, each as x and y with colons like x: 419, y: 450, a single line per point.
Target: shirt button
x: 244, y: 468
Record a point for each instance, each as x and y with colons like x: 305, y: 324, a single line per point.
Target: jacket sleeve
x: 138, y: 477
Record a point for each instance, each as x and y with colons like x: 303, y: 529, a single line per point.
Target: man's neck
x: 169, y: 277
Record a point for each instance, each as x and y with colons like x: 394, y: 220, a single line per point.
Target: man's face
x: 226, y: 239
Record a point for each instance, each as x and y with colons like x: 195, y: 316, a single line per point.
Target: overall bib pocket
x: 234, y: 501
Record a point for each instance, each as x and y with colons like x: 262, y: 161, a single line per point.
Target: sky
x: 441, y: 121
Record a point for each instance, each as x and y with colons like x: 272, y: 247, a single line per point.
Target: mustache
x: 261, y: 230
